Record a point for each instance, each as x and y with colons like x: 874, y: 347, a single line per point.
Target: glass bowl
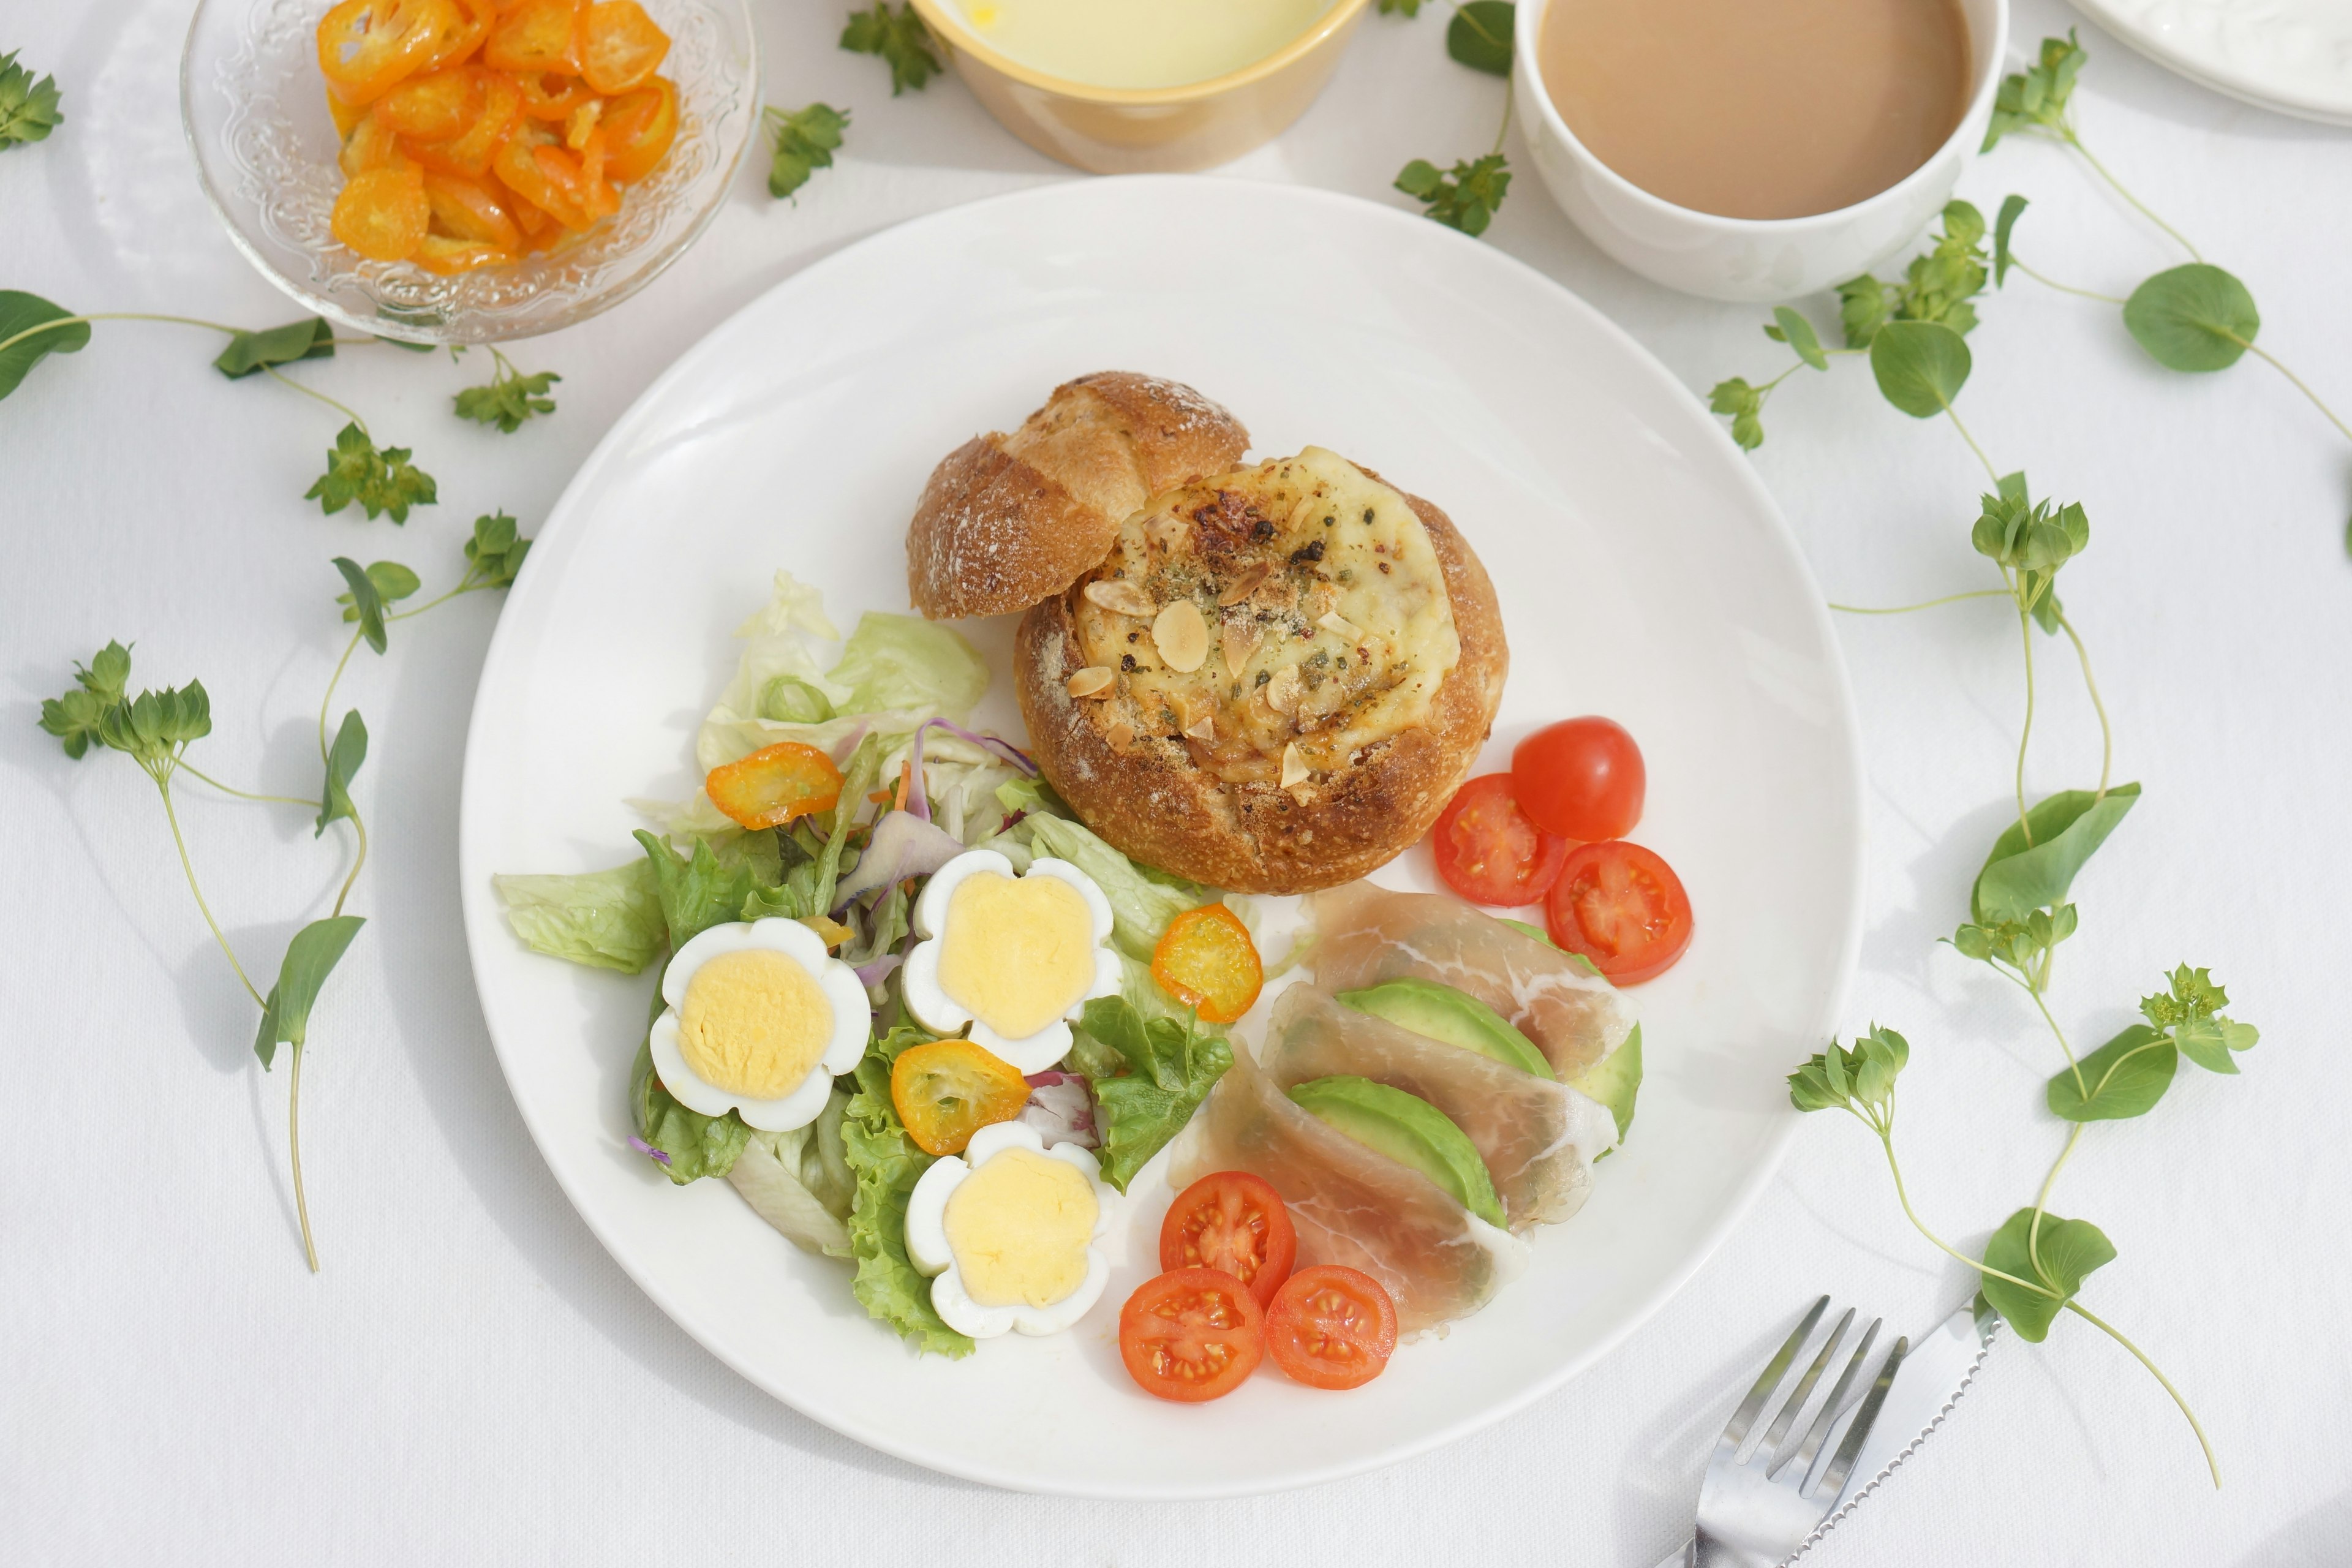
x: 254, y: 106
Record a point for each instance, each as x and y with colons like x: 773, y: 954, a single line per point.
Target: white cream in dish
x: 1138, y: 43
x: 1008, y: 1229
x: 1015, y: 958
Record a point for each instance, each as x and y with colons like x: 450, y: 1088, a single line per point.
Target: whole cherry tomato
x: 1581, y: 778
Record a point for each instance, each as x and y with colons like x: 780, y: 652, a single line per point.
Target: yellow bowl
x: 1128, y: 131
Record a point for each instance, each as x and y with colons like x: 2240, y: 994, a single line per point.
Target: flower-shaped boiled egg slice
x: 1010, y: 1230
x: 1014, y: 957
x: 759, y: 1020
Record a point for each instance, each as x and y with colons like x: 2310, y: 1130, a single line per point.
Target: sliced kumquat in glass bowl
x: 433, y: 107
x: 536, y: 36
x: 382, y: 214
x: 638, y: 130
x: 368, y: 47
x: 470, y: 210
x: 442, y: 255
x: 620, y: 46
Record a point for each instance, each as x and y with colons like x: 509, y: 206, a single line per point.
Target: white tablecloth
x: 472, y: 1379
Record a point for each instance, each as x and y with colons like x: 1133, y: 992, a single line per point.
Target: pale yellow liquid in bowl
x: 1138, y: 43
x: 1758, y: 109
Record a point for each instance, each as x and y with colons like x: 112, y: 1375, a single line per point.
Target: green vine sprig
x: 156, y: 728
x: 1468, y: 195
x: 381, y: 481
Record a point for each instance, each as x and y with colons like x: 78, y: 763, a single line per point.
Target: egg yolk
x: 753, y: 1023
x: 1018, y: 954
x: 1019, y: 1226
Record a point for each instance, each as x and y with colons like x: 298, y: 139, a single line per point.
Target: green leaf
x: 805, y: 141
x: 1160, y: 1069
x: 155, y: 727
x: 381, y: 481
x: 310, y: 957
x: 1861, y: 310
x: 696, y: 892
x: 2068, y: 827
x: 2193, y: 318
x: 494, y: 555
x: 886, y: 1164
x: 907, y: 664
x: 344, y: 760
x: 2121, y: 1079
x: 28, y: 109
x: 74, y: 718
x: 2192, y: 1012
x: 1745, y: 404
x: 604, y: 920
x: 690, y: 1145
x: 2039, y: 96
x: 2070, y: 1251
x: 1920, y: 366
x: 1401, y: 7
x: 900, y: 37
x: 392, y: 582
x: 1479, y: 36
x: 25, y: 340
x: 2011, y: 208
x: 789, y: 699
x: 1465, y: 197
x: 1793, y: 329
x: 249, y: 353
x: 365, y: 602
x: 509, y: 398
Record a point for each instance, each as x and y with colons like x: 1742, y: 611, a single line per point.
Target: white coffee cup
x: 1755, y: 259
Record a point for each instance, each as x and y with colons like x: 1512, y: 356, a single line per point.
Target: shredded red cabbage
x: 918, y: 802
x: 648, y: 1150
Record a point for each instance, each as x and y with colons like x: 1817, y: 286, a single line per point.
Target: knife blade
x: 1930, y: 1382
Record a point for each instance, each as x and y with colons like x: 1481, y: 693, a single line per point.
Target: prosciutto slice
x: 1350, y: 1205
x: 1366, y: 935
x: 1537, y: 1138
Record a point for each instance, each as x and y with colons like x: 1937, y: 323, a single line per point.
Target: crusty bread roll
x: 1007, y: 521
x: 1354, y: 657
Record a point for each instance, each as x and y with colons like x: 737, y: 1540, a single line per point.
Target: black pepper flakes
x: 1127, y: 662
x: 1384, y: 568
x: 1264, y: 676
x: 1310, y: 552
x: 1368, y: 516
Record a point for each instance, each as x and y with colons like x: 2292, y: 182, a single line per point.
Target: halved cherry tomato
x: 775, y: 784
x: 638, y: 129
x: 1488, y: 851
x: 370, y: 145
x: 537, y: 35
x: 1622, y: 907
x: 471, y: 210
x: 382, y: 214
x: 552, y: 95
x: 449, y: 256
x: 366, y: 47
x: 620, y: 46
x: 948, y: 1090
x: 1191, y: 1334
x: 1581, y: 778
x: 1330, y: 1327
x: 434, y: 107
x: 472, y: 150
x: 1235, y: 1222
x: 1205, y: 959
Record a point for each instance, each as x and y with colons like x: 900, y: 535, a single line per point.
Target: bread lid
x: 1006, y: 521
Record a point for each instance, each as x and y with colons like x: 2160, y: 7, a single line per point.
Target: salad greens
x: 1149, y: 1076
x: 606, y: 920
x: 886, y: 1165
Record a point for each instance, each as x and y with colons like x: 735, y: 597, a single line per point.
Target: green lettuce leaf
x: 899, y: 662
x: 800, y: 1181
x: 694, y: 1146
x: 1140, y: 906
x: 698, y: 891
x: 1149, y: 1075
x: 886, y: 1164
x: 606, y: 920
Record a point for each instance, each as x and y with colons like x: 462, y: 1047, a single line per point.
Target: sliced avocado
x: 1408, y: 1130
x: 1544, y: 937
x: 1616, y: 1081
x: 1456, y: 1017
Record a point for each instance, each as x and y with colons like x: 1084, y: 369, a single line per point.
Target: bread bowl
x: 1272, y: 681
x: 1007, y: 521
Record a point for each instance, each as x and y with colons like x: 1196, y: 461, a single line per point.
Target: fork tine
x: 1774, y: 1370
x: 1831, y: 1407
x: 1804, y: 1390
x: 1833, y: 1478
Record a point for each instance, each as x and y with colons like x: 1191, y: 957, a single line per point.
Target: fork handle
x: 1682, y: 1556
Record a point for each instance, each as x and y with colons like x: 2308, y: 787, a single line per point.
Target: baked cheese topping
x: 1329, y: 625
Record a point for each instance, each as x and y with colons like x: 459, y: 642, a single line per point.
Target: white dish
x: 2291, y: 56
x: 1753, y: 261
x: 1643, y: 573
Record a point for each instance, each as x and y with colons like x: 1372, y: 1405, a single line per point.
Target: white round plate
x: 2291, y: 56
x: 1643, y: 572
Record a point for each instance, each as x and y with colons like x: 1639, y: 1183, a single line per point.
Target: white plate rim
x: 483, y: 926
x: 2130, y: 28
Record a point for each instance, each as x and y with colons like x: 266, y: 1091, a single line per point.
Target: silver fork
x: 1755, y: 1509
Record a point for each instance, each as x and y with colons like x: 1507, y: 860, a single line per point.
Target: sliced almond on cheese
x: 1095, y: 680
x: 1340, y: 626
x: 1121, y: 598
x: 1181, y: 635
x: 1294, y: 770
x: 1239, y: 636
x: 1251, y: 580
x: 1204, y: 729
x: 1283, y: 691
